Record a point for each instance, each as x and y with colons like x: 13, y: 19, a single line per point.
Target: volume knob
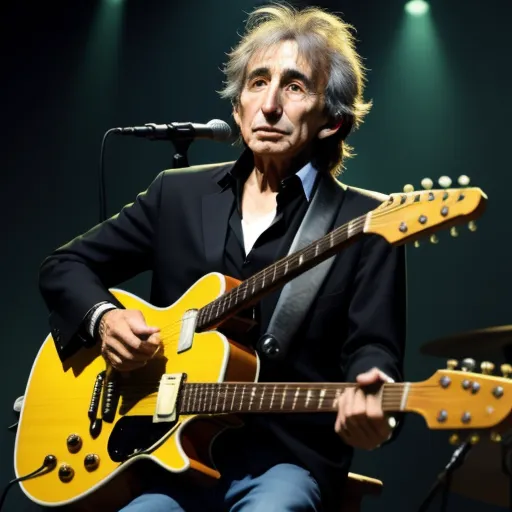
x: 91, y: 461
x: 66, y: 473
x: 74, y: 443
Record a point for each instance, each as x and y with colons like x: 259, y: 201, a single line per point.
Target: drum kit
x: 485, y: 475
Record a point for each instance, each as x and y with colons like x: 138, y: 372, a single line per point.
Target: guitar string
x: 376, y: 215
x: 225, y: 299
x: 146, y: 394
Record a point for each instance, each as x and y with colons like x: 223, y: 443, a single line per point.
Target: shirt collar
x: 307, y: 176
x: 244, y: 165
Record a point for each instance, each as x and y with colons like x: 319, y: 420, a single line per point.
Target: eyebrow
x: 288, y: 74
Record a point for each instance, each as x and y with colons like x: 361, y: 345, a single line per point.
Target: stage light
x: 417, y: 7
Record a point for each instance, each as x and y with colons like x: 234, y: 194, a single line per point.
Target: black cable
x: 101, y: 181
x: 444, y: 479
x: 446, y: 491
x: 49, y: 463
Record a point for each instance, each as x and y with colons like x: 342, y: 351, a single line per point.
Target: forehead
x: 278, y: 57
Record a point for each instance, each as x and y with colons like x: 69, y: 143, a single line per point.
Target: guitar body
x: 58, y: 397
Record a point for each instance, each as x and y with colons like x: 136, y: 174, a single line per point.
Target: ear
x: 330, y: 129
x: 236, y: 115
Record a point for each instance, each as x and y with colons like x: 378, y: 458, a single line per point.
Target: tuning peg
x: 487, y: 367
x: 474, y: 438
x: 454, y: 439
x: 434, y: 239
x: 444, y: 181
x: 408, y: 188
x: 452, y: 364
x: 472, y: 226
x: 506, y: 370
x: 427, y: 183
x: 416, y: 244
x: 495, y: 437
x: 463, y: 180
x: 468, y: 364
x: 454, y: 232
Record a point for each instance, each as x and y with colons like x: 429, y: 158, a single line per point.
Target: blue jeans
x: 257, y: 476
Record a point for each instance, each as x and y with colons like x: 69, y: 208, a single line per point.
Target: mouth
x: 269, y: 129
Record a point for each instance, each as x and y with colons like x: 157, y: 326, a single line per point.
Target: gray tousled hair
x: 327, y: 44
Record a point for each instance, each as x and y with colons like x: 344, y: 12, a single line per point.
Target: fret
x: 217, y: 402
x: 242, y: 397
x: 199, y: 397
x: 308, y: 397
x: 225, y: 397
x: 233, y: 399
x: 295, y: 398
x: 350, y: 228
x: 272, y: 397
x: 284, y: 397
x: 321, y: 400
x: 186, y: 401
x: 252, y: 395
x: 263, y: 393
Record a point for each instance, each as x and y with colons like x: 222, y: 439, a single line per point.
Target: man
x: 296, y: 85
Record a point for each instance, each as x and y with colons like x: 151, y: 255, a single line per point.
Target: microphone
x: 215, y: 129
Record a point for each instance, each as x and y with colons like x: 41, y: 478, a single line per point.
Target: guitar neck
x: 278, y: 274
x: 246, y: 397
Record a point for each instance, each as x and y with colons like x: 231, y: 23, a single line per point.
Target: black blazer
x: 177, y: 229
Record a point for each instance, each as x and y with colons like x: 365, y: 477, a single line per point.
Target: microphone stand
x: 444, y: 479
x: 180, y: 158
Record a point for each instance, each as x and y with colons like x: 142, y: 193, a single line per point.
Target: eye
x: 296, y: 88
x: 258, y: 83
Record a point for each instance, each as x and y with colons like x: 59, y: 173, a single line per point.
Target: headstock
x: 444, y: 182
x: 413, y: 214
x: 463, y: 400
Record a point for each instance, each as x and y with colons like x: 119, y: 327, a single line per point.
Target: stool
x: 356, y: 488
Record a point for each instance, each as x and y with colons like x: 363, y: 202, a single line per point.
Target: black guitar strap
x: 298, y: 294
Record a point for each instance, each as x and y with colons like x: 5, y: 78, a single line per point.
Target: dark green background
x: 441, y: 89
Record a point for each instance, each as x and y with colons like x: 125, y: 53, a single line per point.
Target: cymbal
x: 481, y: 343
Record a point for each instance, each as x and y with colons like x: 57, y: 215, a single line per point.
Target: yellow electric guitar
x: 85, y: 426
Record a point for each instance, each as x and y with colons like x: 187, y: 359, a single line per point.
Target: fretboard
x: 278, y: 274
x: 246, y: 397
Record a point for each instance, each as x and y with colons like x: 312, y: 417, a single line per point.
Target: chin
x: 267, y: 147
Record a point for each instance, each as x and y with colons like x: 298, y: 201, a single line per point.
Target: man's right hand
x: 127, y: 343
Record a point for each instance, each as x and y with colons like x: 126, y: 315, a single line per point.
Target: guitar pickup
x: 168, y: 397
x: 188, y: 328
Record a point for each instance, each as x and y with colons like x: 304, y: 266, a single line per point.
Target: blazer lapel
x: 216, y: 209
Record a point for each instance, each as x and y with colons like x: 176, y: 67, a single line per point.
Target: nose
x: 272, y: 107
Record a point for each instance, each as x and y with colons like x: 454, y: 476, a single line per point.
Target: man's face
x: 281, y: 108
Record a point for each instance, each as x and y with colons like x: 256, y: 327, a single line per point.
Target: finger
x: 376, y: 417
x: 357, y: 420
x: 347, y: 410
x: 138, y: 324
x: 340, y: 417
x: 136, y: 346
x: 369, y: 377
x: 125, y: 352
x: 119, y: 364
